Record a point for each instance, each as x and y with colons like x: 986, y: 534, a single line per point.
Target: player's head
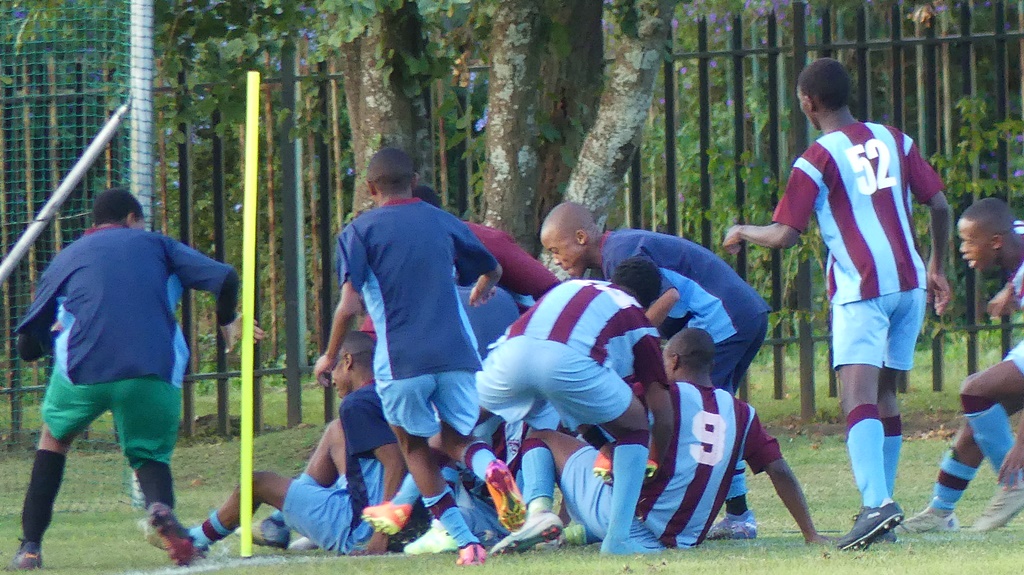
x: 355, y: 363
x: 985, y: 229
x: 427, y: 194
x: 689, y: 356
x: 117, y: 206
x: 390, y: 174
x: 639, y: 277
x: 573, y: 238
x: 823, y: 87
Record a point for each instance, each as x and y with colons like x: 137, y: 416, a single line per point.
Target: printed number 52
x: 869, y: 180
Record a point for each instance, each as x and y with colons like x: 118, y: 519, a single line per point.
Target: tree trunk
x: 380, y: 111
x: 572, y: 87
x: 629, y: 87
x: 512, y: 172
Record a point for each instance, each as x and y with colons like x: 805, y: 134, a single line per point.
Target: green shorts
x: 146, y: 412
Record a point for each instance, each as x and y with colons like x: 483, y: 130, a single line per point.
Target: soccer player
x: 698, y: 289
x: 357, y: 463
x: 988, y: 242
x: 859, y: 178
x: 570, y: 353
x: 104, y: 308
x: 710, y: 432
x: 401, y: 258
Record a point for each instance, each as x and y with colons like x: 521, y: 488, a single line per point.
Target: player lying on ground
x: 104, y: 308
x: 988, y: 242
x: 698, y: 289
x: 570, y: 354
x: 859, y: 178
x: 711, y: 431
x: 399, y: 259
x: 357, y: 463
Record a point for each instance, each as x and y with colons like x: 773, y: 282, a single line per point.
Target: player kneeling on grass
x: 357, y: 463
x: 572, y: 353
x: 987, y: 241
x: 711, y: 432
x: 104, y: 308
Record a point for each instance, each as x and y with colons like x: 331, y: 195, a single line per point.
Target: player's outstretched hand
x: 377, y: 545
x: 232, y: 332
x: 322, y: 370
x: 939, y: 293
x: 733, y: 240
x: 1003, y: 303
x: 480, y: 294
x: 1013, y: 465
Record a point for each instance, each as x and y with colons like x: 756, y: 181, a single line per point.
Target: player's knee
x: 972, y: 385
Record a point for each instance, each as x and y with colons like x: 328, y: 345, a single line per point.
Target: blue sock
x: 408, y: 493
x: 738, y: 485
x: 477, y: 457
x: 951, y: 483
x: 992, y: 433
x: 891, y: 447
x: 199, y: 539
x: 864, y: 442
x: 277, y: 516
x: 629, y: 462
x: 442, y: 507
x: 538, y: 471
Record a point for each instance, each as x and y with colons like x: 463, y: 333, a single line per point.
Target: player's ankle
x: 539, y: 505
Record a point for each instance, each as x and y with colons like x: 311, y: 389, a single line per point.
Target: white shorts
x: 523, y: 378
x: 881, y: 331
x: 1016, y: 355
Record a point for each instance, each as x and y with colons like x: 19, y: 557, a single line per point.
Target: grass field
x: 96, y: 531
x: 110, y: 541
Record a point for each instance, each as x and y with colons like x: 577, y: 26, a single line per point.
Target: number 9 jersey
x: 715, y: 431
x: 859, y: 180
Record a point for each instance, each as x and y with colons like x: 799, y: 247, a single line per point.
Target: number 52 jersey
x: 859, y: 180
x: 714, y: 431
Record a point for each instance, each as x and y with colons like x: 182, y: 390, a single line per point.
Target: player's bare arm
x: 939, y: 293
x: 348, y: 308
x: 1003, y: 303
x: 485, y: 286
x: 792, y: 496
x: 658, y: 311
x: 776, y: 236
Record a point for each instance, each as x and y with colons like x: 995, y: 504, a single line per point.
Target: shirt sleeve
x: 195, y: 270
x: 472, y: 259
x: 521, y: 273
x: 364, y: 425
x: 43, y: 311
x: 924, y: 182
x: 648, y: 367
x: 352, y: 262
x: 797, y: 203
x: 760, y: 449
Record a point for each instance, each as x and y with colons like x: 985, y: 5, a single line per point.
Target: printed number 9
x: 709, y: 429
x: 869, y: 180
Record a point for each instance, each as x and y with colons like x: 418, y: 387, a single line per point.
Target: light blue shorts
x: 589, y: 500
x: 523, y: 378
x: 324, y: 514
x: 881, y: 331
x: 416, y: 403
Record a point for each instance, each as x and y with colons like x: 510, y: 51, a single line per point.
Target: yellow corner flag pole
x: 252, y: 138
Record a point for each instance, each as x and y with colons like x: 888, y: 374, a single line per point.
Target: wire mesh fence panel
x: 64, y: 69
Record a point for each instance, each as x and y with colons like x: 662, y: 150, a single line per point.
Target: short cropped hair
x: 826, y: 80
x: 640, y: 277
x: 992, y: 214
x: 360, y: 346
x: 113, y: 207
x: 427, y: 194
x: 391, y: 170
x: 695, y: 349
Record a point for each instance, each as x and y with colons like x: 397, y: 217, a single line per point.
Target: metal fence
x: 717, y: 148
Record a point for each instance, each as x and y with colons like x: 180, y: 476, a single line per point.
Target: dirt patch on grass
x: 935, y: 424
